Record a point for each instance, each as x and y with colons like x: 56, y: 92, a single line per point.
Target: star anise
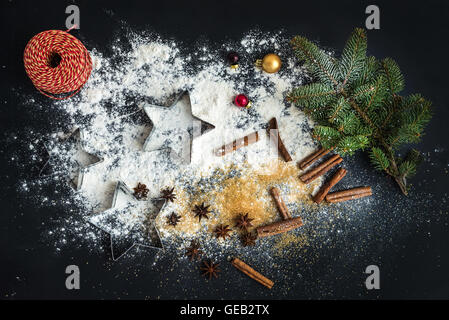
x: 243, y: 222
x: 173, y: 219
x: 193, y: 252
x: 249, y: 239
x: 222, y: 231
x: 201, y: 211
x: 168, y: 194
x: 210, y: 269
x: 140, y: 191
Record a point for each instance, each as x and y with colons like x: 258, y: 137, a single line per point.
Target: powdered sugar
x: 154, y: 71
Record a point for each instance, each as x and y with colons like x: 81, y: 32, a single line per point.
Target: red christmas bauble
x: 241, y: 101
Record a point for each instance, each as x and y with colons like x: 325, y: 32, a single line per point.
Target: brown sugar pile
x: 247, y: 192
x: 288, y: 240
x: 250, y: 193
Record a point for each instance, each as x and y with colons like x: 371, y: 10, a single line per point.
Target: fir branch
x: 407, y: 169
x: 362, y: 114
x: 391, y: 108
x: 327, y: 136
x: 357, y: 105
x: 353, y: 56
x: 337, y: 108
x: 321, y: 65
x: 411, y: 122
x: 311, y: 95
x: 372, y: 97
x: 379, y: 159
x: 350, y: 124
x: 369, y: 70
x: 350, y: 144
x: 393, y: 75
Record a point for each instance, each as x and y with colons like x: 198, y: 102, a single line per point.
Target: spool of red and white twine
x: 57, y: 63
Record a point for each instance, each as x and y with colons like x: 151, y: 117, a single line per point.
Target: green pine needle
x: 321, y: 65
x: 393, y: 75
x: 407, y: 169
x: 355, y: 103
x: 312, y: 95
x: 379, y: 159
x: 353, y: 57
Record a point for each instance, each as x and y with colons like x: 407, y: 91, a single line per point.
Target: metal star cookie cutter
x: 195, y: 129
x: 81, y: 169
x: 129, y: 240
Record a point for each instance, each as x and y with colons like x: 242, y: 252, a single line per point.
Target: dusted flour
x: 131, y: 117
x: 335, y: 242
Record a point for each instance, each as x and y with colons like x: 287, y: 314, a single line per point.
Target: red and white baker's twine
x: 69, y: 76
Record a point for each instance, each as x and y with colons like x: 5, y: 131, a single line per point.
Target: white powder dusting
x: 110, y: 112
x: 153, y: 72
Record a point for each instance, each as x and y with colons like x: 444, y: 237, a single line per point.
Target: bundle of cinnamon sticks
x: 323, y: 168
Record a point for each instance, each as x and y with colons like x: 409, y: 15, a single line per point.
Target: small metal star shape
x: 70, y: 157
x: 129, y: 221
x: 174, y: 127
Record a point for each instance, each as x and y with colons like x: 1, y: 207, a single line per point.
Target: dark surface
x: 415, y: 34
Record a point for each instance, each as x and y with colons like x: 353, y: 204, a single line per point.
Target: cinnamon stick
x: 237, y: 144
x: 347, y: 198
x: 349, y: 194
x: 273, y: 131
x: 321, y: 169
x: 250, y: 272
x: 280, y: 203
x: 329, y: 184
x: 309, y: 160
x: 279, y: 227
x: 324, y: 170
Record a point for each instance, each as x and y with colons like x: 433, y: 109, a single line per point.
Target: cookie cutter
x: 154, y: 129
x: 115, y: 252
x: 78, y: 135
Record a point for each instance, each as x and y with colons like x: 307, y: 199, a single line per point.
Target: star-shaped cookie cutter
x: 78, y: 134
x: 196, y: 130
x: 129, y: 239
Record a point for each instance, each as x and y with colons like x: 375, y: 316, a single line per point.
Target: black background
x: 413, y: 33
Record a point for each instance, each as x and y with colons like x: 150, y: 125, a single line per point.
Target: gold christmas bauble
x: 271, y: 63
